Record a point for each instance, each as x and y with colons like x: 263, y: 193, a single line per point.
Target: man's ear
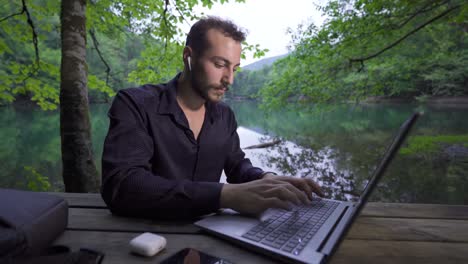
x: 187, y: 55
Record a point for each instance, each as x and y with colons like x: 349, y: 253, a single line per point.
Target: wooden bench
x: 384, y: 233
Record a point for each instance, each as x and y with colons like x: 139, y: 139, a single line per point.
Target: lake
x: 338, y: 146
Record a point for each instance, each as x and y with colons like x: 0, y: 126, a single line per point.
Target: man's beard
x: 197, y: 86
x: 202, y: 89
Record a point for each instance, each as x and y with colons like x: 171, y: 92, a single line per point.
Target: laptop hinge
x: 334, y: 235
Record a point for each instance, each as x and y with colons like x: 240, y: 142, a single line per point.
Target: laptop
x: 306, y: 234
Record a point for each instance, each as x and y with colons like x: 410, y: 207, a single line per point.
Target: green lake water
x: 339, y: 146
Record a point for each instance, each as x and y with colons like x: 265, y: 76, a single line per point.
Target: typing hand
x: 306, y: 185
x: 253, y: 198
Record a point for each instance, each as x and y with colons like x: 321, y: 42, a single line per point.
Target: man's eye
x: 219, y: 65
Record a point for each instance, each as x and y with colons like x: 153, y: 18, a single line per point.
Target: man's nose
x: 228, y: 77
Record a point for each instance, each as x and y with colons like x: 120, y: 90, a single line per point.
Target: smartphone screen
x: 193, y: 256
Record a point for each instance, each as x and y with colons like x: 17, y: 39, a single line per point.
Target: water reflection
x: 287, y: 158
x: 30, y: 152
x: 338, y: 146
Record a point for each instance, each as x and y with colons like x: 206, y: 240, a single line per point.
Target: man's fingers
x: 274, y: 202
x: 282, y: 192
x: 287, y: 192
x: 299, y: 193
x: 305, y: 187
x: 306, y: 184
x: 315, y: 187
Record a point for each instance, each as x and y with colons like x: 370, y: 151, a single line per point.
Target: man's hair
x: 196, y: 38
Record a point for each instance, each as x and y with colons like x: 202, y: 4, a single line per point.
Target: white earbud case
x: 147, y: 244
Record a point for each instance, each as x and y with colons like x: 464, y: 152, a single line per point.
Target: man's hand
x: 253, y: 198
x: 304, y: 184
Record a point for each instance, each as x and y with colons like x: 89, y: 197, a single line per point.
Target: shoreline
x: 433, y: 100
x: 456, y: 101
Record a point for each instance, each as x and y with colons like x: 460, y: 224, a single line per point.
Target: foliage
x: 375, y: 48
x: 432, y: 144
x: 25, y: 74
x: 151, y: 69
x: 35, y: 181
x: 248, y: 83
x: 128, y: 43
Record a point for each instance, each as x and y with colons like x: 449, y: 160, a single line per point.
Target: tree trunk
x: 79, y: 170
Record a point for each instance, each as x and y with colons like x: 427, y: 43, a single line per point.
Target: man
x: 168, y: 144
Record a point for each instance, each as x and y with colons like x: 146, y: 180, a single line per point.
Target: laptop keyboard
x: 290, y: 231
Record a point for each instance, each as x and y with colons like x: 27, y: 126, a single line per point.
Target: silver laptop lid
x: 342, y: 229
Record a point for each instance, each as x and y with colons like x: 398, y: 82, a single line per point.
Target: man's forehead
x: 220, y: 45
x: 216, y: 36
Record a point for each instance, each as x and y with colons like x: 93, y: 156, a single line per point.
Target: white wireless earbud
x: 189, y: 63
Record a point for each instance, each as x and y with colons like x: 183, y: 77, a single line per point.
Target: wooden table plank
x: 115, y: 246
x: 85, y: 200
x: 440, y: 211
x: 374, y: 228
x: 403, y: 210
x: 384, y: 233
x: 407, y: 229
x: 103, y: 220
x: 383, y: 252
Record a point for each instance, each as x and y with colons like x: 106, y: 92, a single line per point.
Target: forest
x: 365, y: 49
x: 414, y: 49
x: 128, y: 43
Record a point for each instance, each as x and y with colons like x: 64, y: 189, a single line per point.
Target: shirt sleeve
x: 129, y: 187
x: 238, y: 169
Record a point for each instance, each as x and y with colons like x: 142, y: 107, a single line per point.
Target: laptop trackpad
x: 229, y: 222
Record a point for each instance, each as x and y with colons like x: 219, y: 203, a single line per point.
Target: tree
x: 373, y: 48
x: 79, y: 171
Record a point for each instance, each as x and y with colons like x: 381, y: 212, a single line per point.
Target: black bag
x: 29, y: 222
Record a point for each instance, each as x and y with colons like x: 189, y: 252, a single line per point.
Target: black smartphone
x: 193, y: 256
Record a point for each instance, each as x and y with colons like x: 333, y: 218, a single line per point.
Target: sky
x: 267, y: 21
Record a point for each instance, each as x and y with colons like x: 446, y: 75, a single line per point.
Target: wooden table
x: 384, y: 233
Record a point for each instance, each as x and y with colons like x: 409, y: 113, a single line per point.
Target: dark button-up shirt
x: 152, y: 165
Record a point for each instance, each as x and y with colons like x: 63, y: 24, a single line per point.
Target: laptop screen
x: 390, y: 153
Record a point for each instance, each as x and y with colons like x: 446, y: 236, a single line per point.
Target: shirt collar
x: 168, y: 102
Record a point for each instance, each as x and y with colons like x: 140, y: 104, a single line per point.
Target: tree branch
x: 409, y: 17
x: 166, y: 4
x: 34, y: 34
x: 422, y: 10
x: 362, y: 59
x: 24, y: 9
x: 12, y: 15
x: 264, y: 145
x: 96, y: 45
x: 180, y: 13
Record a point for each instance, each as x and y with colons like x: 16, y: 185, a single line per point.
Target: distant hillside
x: 262, y: 63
